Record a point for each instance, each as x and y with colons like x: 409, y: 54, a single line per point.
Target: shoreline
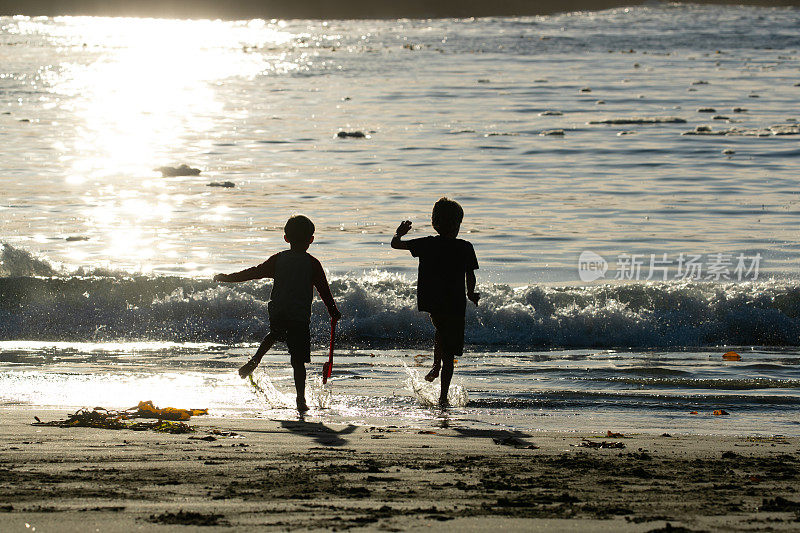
x: 317, y: 9
x: 310, y: 475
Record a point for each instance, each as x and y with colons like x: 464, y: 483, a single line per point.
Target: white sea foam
x: 379, y: 310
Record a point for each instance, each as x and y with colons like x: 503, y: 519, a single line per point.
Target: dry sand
x: 300, y: 475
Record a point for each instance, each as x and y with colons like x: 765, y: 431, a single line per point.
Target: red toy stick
x: 327, y: 368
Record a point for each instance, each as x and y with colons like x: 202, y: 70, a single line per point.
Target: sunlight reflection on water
x: 452, y: 107
x: 144, y: 99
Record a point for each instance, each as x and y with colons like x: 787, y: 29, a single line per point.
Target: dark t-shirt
x: 296, y: 274
x: 443, y: 263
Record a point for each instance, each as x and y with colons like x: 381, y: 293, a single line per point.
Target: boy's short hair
x: 447, y: 215
x: 299, y: 229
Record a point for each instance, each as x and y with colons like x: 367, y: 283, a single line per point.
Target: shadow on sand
x: 505, y: 437
x: 318, y: 431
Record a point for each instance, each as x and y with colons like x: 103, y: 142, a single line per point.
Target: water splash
x: 266, y: 391
x: 317, y: 395
x: 427, y: 394
x: 18, y: 262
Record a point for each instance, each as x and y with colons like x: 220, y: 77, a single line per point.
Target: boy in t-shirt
x: 296, y: 273
x: 445, y: 265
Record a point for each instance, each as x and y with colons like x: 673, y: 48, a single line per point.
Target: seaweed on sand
x: 102, y: 418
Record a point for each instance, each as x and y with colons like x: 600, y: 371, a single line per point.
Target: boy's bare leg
x: 447, y: 376
x: 300, y: 385
x: 251, y: 365
x: 437, y: 358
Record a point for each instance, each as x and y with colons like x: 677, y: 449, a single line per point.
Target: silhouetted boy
x: 296, y: 273
x: 445, y: 264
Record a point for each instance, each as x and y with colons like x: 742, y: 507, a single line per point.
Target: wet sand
x: 296, y: 475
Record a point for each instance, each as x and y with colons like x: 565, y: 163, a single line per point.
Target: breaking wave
x: 38, y: 301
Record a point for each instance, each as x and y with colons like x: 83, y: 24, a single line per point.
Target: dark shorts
x: 449, y: 334
x: 296, y: 335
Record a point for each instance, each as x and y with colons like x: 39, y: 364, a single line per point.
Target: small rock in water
x: 700, y: 82
x: 728, y: 151
x: 600, y: 102
x: 621, y: 133
x: 739, y: 110
x: 225, y: 184
x: 412, y: 46
x: 720, y: 117
x: 640, y: 120
x: 483, y: 80
x: 706, y: 110
x: 354, y: 134
x: 24, y: 120
x: 753, y: 96
x: 559, y: 133
x: 550, y: 113
x: 777, y: 129
x: 75, y: 238
x: 586, y: 90
x: 785, y: 129
x: 182, y: 170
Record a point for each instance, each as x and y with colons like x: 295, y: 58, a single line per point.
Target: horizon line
x: 326, y: 10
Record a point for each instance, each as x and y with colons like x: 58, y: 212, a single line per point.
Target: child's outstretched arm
x: 402, y: 229
x: 264, y: 270
x: 324, y: 290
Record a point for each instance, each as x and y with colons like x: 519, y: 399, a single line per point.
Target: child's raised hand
x: 403, y: 228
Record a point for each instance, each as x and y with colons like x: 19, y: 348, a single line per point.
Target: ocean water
x: 662, y: 141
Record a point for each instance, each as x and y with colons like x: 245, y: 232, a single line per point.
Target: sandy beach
x: 305, y: 475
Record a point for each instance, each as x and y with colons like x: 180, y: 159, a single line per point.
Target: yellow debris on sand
x: 148, y: 410
x: 167, y: 419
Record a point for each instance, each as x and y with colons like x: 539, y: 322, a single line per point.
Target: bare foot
x: 301, y: 405
x: 434, y: 373
x: 248, y: 368
x: 443, y: 403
